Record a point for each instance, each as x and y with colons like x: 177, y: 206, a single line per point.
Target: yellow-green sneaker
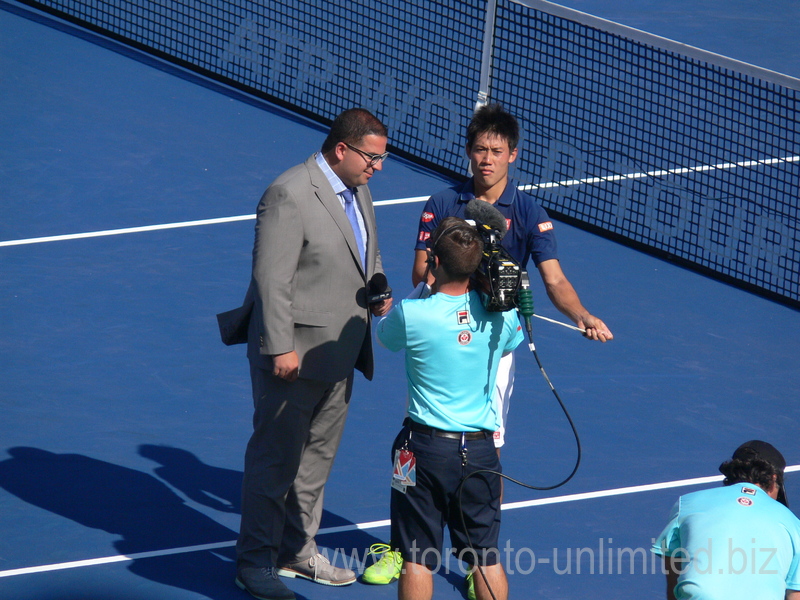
x: 471, y: 585
x: 387, y: 569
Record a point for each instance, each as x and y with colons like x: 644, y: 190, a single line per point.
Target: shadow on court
x: 215, y: 487
x: 142, y: 510
x: 221, y: 489
x: 151, y: 517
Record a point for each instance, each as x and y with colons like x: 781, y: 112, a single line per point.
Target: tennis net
x: 678, y: 151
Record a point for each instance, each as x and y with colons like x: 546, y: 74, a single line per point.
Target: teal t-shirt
x: 453, y: 346
x: 740, y: 544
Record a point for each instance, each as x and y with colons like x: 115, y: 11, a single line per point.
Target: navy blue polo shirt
x: 530, y: 230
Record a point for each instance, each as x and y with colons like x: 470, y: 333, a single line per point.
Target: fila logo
x: 545, y: 226
x: 423, y: 236
x: 463, y: 317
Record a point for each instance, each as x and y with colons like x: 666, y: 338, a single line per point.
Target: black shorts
x: 419, y: 515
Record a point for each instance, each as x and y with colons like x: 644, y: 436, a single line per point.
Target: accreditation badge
x: 404, y: 473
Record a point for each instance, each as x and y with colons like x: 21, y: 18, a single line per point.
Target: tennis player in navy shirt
x: 492, y: 138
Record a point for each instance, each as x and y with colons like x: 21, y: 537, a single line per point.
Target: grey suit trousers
x: 297, y: 427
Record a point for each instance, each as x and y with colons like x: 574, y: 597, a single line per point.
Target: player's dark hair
x: 352, y: 126
x: 495, y: 120
x: 459, y: 247
x: 751, y: 470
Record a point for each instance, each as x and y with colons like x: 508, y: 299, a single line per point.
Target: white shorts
x: 503, y: 388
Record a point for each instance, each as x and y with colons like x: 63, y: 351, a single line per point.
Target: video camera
x: 499, y: 276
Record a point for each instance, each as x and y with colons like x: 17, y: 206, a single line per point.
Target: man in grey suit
x: 306, y: 319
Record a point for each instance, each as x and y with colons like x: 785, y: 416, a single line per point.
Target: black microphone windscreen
x: 485, y: 213
x: 378, y: 283
x: 378, y: 289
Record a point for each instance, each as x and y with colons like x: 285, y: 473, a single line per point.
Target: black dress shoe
x: 263, y: 583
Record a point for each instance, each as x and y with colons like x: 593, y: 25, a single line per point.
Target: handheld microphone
x: 378, y: 289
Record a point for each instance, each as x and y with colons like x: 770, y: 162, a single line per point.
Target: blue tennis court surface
x: 124, y: 418
x: 763, y: 34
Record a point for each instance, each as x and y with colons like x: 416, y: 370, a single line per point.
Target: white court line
x: 527, y: 188
x: 370, y: 525
x: 401, y: 201
x: 746, y: 164
x: 92, y: 562
x: 108, y: 232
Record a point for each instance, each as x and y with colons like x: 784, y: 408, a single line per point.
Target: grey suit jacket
x: 308, y: 287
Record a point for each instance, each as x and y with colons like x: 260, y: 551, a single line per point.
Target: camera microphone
x: 378, y: 289
x: 485, y: 214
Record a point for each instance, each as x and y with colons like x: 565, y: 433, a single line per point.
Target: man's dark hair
x: 495, y: 120
x: 751, y: 470
x: 352, y: 126
x: 459, y: 247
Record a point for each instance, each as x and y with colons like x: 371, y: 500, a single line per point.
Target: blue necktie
x: 350, y: 211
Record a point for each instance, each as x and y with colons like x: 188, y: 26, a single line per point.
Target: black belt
x: 453, y: 435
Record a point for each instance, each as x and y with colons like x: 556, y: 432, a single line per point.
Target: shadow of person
x: 143, y: 511
x: 221, y: 489
x: 215, y: 487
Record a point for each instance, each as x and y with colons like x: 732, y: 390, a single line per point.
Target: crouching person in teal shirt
x: 739, y: 541
x: 452, y: 350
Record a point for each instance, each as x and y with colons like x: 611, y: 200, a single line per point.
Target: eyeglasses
x: 372, y: 159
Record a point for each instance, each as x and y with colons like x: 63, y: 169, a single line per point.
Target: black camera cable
x: 525, y: 308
